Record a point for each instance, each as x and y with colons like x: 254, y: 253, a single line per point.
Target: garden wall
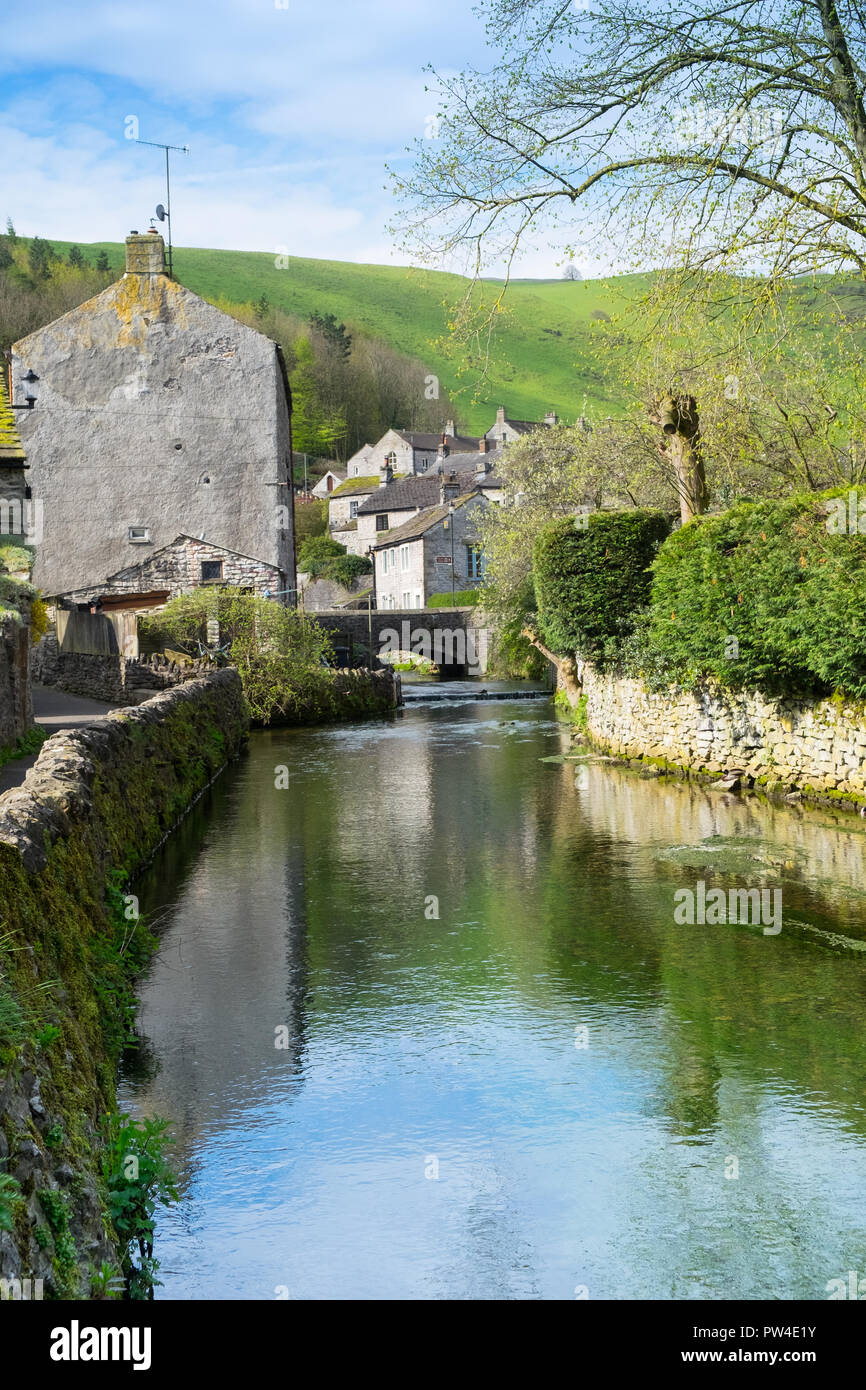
x: 816, y: 747
x: 111, y: 677
x: 92, y: 811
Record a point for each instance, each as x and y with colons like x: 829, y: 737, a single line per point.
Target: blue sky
x: 290, y: 113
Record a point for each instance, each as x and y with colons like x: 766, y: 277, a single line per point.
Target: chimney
x: 444, y: 450
x: 450, y: 431
x: 449, y: 488
x: 551, y: 418
x: 145, y: 254
x: 386, y: 474
x: 500, y: 415
x: 484, y: 445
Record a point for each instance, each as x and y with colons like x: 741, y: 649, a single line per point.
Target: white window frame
x: 404, y: 558
x: 142, y: 539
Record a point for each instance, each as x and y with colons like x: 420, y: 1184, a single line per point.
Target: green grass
x: 543, y: 357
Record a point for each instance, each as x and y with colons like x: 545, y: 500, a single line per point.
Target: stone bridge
x: 452, y: 637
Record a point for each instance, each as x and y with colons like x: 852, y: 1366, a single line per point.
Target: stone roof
x: 420, y: 491
x: 465, y: 461
x: 12, y: 453
x: 416, y: 526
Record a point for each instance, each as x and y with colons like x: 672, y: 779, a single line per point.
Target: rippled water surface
x: 550, y: 1087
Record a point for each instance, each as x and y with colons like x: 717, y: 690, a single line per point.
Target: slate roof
x: 465, y: 462
x: 12, y: 453
x: 420, y: 491
x: 522, y: 426
x: 416, y: 526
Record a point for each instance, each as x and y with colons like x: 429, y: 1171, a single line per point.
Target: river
x: 426, y: 1027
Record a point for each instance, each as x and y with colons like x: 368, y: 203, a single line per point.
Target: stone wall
x: 816, y: 747
x: 112, y: 678
x: 351, y: 630
x: 92, y: 810
x: 16, y: 710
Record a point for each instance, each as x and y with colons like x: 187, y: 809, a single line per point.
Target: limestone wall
x: 111, y: 677
x: 91, y: 811
x: 818, y: 746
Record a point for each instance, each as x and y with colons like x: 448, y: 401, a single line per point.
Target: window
x: 385, y: 555
x: 353, y: 509
x: 330, y: 483
x: 211, y: 571
x: 405, y: 598
x: 475, y: 559
x: 381, y: 521
x: 417, y: 600
x: 404, y: 557
x: 391, y: 460
x: 422, y: 465
x: 139, y: 535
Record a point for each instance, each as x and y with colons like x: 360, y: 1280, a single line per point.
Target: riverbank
x: 814, y: 749
x: 90, y: 814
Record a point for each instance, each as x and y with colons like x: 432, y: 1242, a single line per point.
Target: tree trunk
x: 680, y: 447
x: 567, y: 678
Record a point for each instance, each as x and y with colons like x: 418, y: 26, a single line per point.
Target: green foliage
x: 10, y: 1194
x: 323, y: 558
x: 316, y: 551
x: 463, y: 598
x: 13, y: 1026
x: 591, y: 580
x: 54, y: 1136
x: 311, y: 519
x: 765, y: 596
x: 139, y: 1179
x: 278, y: 655
x: 28, y: 743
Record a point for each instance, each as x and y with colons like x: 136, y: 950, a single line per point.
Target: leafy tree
x: 333, y: 332
x: 10, y: 230
x: 39, y: 258
x: 316, y: 429
x: 735, y: 133
x: 102, y: 263
x: 76, y: 258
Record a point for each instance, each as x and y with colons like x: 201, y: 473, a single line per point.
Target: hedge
x: 766, y: 596
x: 592, y: 579
x: 463, y: 598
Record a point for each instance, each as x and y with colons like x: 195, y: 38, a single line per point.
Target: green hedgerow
x: 592, y: 576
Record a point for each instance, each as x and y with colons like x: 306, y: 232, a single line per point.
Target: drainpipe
x: 284, y: 373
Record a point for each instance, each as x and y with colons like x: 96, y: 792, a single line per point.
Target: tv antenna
x: 164, y: 213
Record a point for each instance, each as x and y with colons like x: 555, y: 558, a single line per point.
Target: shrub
x: 317, y: 550
x: 591, y: 581
x: 323, y: 558
x: 277, y: 654
x: 763, y: 597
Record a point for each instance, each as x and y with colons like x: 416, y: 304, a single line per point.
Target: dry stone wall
x: 817, y: 747
x: 92, y: 810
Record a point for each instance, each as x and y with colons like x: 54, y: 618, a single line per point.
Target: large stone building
x: 156, y: 416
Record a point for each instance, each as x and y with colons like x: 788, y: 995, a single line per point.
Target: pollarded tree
x: 734, y: 134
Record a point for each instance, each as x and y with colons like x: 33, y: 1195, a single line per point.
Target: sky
x: 291, y: 110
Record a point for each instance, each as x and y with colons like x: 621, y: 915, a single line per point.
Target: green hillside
x: 542, y: 357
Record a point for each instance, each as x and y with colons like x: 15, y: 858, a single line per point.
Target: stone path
x: 54, y: 710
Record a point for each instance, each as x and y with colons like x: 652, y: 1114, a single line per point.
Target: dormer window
x: 138, y: 535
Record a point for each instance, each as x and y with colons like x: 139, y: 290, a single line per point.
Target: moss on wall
x: 90, y: 814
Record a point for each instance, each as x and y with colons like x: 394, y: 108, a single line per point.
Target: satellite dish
x: 160, y: 212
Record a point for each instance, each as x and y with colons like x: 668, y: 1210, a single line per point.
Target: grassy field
x: 543, y: 356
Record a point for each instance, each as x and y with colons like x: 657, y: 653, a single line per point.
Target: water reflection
x: 371, y: 1101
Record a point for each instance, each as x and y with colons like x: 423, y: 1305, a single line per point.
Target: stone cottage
x: 419, y: 558
x: 156, y: 416
x: 504, y: 429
